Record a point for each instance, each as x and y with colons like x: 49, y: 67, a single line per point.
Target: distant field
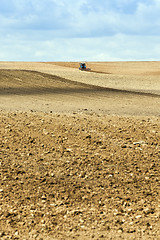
x: 125, y: 68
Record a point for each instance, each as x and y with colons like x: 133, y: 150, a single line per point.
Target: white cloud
x: 72, y: 30
x: 82, y: 18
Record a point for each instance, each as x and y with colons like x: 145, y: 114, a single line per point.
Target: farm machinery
x: 83, y: 67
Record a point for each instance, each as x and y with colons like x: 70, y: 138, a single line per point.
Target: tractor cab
x: 82, y: 66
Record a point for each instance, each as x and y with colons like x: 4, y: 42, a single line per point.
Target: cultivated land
x: 79, y: 151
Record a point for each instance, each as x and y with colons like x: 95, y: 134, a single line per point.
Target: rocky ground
x: 79, y: 176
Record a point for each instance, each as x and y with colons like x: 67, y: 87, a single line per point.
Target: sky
x: 79, y: 30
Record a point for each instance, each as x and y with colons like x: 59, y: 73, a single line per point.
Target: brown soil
x: 78, y: 160
x: 63, y: 176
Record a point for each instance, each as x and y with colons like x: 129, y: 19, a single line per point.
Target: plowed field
x: 79, y: 151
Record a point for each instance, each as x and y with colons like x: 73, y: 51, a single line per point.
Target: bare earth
x: 79, y: 151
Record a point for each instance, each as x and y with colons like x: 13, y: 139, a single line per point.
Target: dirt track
x: 79, y: 160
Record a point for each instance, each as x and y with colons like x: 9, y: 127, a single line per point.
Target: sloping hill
x: 32, y: 90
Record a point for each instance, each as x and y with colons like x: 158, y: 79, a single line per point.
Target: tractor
x: 83, y: 67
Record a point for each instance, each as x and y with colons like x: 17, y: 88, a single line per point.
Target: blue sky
x: 82, y: 30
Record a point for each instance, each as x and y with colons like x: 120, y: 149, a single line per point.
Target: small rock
x: 82, y: 226
x: 68, y: 150
x: 43, y: 197
x: 120, y: 230
x: 147, y: 178
x: 29, y: 154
